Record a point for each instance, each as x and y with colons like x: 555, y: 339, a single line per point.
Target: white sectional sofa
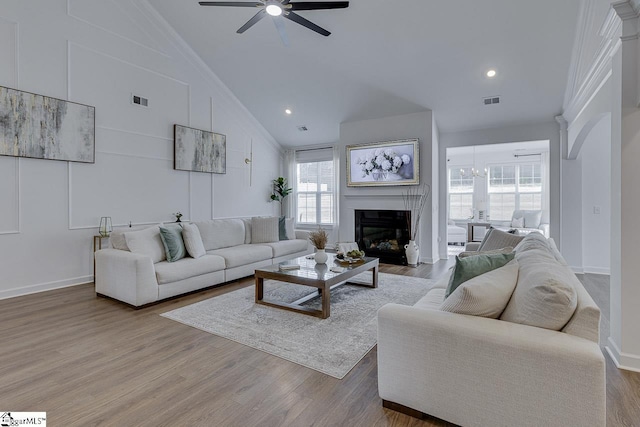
x: 141, y: 277
x: 480, y: 371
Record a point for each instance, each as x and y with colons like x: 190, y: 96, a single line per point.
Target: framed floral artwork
x: 383, y: 163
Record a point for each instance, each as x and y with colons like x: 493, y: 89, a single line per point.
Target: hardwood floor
x: 93, y: 361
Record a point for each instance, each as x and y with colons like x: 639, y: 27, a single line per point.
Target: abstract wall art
x: 199, y: 150
x: 42, y: 127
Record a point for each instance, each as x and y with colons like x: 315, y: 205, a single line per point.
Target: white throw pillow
x: 545, y: 295
x: 517, y: 223
x: 486, y: 295
x: 265, y: 229
x: 193, y: 240
x: 288, y: 227
x: 146, y: 242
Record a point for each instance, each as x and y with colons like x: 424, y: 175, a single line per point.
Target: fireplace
x: 383, y: 234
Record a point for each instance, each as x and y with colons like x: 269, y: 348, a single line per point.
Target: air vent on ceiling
x: 303, y: 128
x: 491, y: 100
x: 138, y: 100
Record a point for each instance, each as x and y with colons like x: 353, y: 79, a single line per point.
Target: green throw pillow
x: 470, y: 267
x: 282, y: 229
x: 171, y: 236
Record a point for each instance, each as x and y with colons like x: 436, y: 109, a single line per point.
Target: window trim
x: 318, y: 195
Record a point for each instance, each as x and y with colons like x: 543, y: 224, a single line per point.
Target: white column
x: 624, y: 340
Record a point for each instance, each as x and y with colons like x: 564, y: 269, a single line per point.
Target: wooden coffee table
x: 315, y: 275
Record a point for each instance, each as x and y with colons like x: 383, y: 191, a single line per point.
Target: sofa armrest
x: 126, y: 276
x: 545, y: 230
x: 302, y: 234
x: 485, y: 372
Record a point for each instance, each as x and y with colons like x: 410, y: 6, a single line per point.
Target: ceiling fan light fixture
x: 274, y: 9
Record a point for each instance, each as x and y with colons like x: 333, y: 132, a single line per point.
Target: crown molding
x: 194, y: 59
x: 626, y: 9
x: 580, y: 93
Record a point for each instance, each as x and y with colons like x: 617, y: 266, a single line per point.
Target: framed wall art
x: 383, y: 163
x: 199, y: 150
x: 41, y: 127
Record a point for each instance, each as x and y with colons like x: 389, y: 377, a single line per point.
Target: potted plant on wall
x: 280, y: 191
x: 415, y: 200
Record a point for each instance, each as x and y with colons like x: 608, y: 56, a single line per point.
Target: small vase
x: 321, y: 256
x: 412, y: 250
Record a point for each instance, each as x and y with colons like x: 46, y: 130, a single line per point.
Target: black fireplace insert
x: 383, y: 234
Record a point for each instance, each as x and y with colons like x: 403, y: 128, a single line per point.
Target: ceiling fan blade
x: 306, y: 23
x: 251, y: 22
x: 316, y: 5
x: 277, y: 20
x: 231, y: 3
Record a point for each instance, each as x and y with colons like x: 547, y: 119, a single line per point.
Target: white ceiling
x: 387, y: 58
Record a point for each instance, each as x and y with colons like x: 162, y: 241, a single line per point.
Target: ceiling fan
x: 283, y: 8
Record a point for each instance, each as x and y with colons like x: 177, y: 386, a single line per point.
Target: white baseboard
x: 626, y: 361
x: 429, y: 260
x: 41, y: 287
x: 597, y: 270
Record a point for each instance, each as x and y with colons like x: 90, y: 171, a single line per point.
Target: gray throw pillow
x: 282, y: 229
x: 496, y: 239
x: 171, y: 236
x: 265, y: 229
x: 470, y: 267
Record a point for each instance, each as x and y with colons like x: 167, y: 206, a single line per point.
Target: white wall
x: 97, y: 53
x: 596, y: 198
x: 533, y: 132
x: 416, y: 125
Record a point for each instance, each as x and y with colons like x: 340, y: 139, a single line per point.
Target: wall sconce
x: 105, y: 226
x: 249, y: 161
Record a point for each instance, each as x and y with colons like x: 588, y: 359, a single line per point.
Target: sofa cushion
x: 264, y: 229
x: 221, y: 233
x: 247, y: 230
x: 432, y: 300
x: 146, y: 242
x: 192, y: 240
x: 485, y: 295
x: 532, y: 219
x: 545, y: 295
x: 517, y: 222
x: 286, y: 247
x: 288, y: 227
x: 168, y: 272
x: 496, y: 239
x: 556, y: 253
x: 533, y: 241
x: 470, y: 267
x: 171, y: 236
x: 117, y: 240
x: 243, y: 254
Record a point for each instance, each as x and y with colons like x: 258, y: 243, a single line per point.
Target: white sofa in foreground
x: 486, y: 372
x: 142, y: 275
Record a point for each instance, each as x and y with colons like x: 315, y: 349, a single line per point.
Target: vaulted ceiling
x: 388, y: 58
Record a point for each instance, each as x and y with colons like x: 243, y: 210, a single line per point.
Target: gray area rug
x: 332, y: 346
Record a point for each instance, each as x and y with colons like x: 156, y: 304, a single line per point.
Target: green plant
x: 280, y: 190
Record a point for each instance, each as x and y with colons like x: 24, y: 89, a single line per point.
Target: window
x: 315, y: 187
x: 513, y: 187
x: 460, y: 193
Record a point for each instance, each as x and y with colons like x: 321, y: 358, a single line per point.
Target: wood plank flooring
x: 91, y: 361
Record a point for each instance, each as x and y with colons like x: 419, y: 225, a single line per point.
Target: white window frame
x: 517, y: 190
x: 450, y: 193
x: 319, y: 194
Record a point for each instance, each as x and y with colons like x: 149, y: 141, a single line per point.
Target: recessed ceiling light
x: 274, y: 9
x: 288, y: 111
x: 491, y: 73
